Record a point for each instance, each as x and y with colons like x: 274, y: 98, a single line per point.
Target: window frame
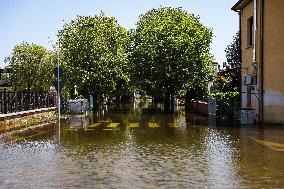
x: 250, y: 32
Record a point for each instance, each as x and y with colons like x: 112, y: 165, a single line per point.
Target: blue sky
x: 37, y: 21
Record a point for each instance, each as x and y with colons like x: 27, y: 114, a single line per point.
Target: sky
x: 38, y: 21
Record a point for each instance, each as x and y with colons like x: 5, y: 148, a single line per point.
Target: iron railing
x: 21, y: 101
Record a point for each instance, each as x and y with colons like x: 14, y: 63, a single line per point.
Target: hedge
x: 226, y: 103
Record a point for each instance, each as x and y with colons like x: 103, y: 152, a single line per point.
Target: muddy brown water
x: 128, y: 147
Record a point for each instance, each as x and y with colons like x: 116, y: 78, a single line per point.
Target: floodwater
x: 131, y: 147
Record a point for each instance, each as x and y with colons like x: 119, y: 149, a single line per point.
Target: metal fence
x: 21, y: 101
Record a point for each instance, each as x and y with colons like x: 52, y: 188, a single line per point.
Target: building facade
x: 262, y: 54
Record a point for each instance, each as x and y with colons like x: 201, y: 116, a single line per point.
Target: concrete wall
x: 274, y: 61
x: 247, y: 51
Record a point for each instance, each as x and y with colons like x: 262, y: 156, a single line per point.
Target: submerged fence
x: 21, y: 101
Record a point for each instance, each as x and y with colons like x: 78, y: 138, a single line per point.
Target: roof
x: 240, y: 4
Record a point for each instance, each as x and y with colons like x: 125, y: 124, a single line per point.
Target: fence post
x: 34, y: 103
x: 1, y: 99
x: 16, y: 102
x: 22, y: 101
x: 36, y: 100
x: 41, y: 97
x: 8, y: 102
x: 5, y: 101
x: 48, y: 100
x: 39, y: 100
x: 44, y: 100
x: 29, y: 100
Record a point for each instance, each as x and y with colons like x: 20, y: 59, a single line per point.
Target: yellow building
x: 262, y: 51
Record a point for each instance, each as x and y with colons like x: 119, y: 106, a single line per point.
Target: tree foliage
x: 169, y: 52
x: 32, y: 67
x: 226, y: 104
x: 232, y: 67
x: 198, y: 92
x: 94, y: 56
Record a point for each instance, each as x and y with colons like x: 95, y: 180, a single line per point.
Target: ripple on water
x: 160, y: 157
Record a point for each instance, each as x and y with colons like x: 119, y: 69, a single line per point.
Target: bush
x: 226, y: 104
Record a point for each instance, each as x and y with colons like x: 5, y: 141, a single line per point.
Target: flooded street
x: 127, y: 146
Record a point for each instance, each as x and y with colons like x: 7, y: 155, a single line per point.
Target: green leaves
x: 94, y: 51
x: 169, y: 51
x: 232, y: 67
x: 226, y: 104
x: 32, y: 67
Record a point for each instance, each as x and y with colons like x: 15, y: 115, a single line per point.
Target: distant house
x: 262, y: 54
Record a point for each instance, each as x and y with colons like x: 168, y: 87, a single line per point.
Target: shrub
x: 226, y: 104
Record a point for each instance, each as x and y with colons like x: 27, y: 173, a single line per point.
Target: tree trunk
x: 72, y: 92
x: 95, y: 102
x: 169, y: 102
x: 29, y: 88
x: 172, y: 103
x: 187, y: 100
x: 155, y: 100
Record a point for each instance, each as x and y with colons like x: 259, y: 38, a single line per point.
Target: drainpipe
x: 240, y: 58
x: 254, y: 30
x: 258, y: 71
x: 261, y: 63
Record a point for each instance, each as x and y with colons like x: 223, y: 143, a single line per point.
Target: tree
x: 32, y: 67
x: 198, y: 92
x: 233, y: 65
x: 94, y: 55
x: 169, y: 53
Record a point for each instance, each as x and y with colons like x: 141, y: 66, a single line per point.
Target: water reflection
x: 127, y: 146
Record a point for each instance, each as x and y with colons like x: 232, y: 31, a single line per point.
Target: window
x: 249, y: 31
